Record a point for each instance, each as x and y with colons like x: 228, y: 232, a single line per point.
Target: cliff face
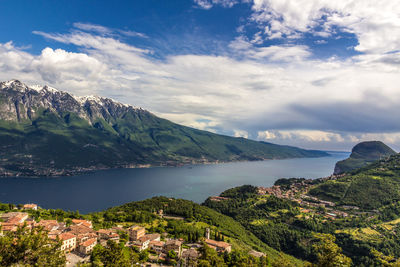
x: 44, y: 131
x: 363, y: 154
x: 20, y: 102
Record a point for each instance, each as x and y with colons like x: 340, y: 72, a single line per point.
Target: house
x: 82, y: 222
x: 153, y: 237
x: 54, y: 233
x: 174, y: 245
x: 30, y: 206
x: 8, y: 227
x: 87, y: 246
x: 48, y: 225
x: 108, y: 234
x: 219, y: 246
x: 81, y: 232
x: 157, y: 246
x: 189, y: 257
x: 15, y: 217
x: 136, y: 232
x: 142, y: 243
x: 68, y: 241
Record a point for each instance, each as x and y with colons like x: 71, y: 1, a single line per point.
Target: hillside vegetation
x: 195, y: 214
x: 49, y: 132
x: 370, y: 187
x: 363, y: 154
x: 309, y: 231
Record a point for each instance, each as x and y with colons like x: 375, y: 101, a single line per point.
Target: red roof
x: 88, y: 242
x: 66, y: 236
x: 82, y: 222
x: 219, y: 244
x: 30, y: 206
x: 157, y: 243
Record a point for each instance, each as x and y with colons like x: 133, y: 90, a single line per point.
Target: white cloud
x: 240, y: 133
x: 375, y: 23
x: 273, y: 53
x: 300, y: 135
x: 207, y: 4
x: 107, y: 31
x: 250, y: 89
x: 320, y: 139
x: 321, y: 42
x: 92, y: 27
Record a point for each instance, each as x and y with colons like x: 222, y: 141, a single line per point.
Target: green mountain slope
x: 370, y: 187
x: 363, y: 154
x: 199, y: 216
x: 47, y: 132
x: 369, y: 238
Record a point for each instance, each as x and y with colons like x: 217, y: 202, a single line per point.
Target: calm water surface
x: 103, y: 189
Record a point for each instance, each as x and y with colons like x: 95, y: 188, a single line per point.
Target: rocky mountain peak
x: 22, y: 102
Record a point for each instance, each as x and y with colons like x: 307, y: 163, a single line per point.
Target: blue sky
x: 171, y: 27
x: 312, y: 73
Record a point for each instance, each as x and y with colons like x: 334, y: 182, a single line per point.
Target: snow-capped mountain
x: 21, y: 101
x: 44, y: 131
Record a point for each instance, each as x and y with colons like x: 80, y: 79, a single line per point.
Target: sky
x: 318, y: 74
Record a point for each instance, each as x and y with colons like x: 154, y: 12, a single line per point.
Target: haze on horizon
x: 312, y: 73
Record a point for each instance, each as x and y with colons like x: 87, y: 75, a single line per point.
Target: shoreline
x: 70, y: 173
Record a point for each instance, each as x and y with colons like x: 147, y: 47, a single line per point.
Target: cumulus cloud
x: 246, y: 92
x: 321, y: 139
x: 376, y: 24
x: 240, y: 133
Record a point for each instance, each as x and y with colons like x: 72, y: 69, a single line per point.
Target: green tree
x: 30, y: 247
x: 172, y: 254
x: 211, y: 256
x: 329, y: 253
x: 113, y: 255
x: 143, y: 256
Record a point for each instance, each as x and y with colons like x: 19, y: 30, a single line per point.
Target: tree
x: 143, y: 256
x: 211, y: 256
x: 30, y: 247
x: 328, y: 253
x: 114, y: 255
x: 172, y: 254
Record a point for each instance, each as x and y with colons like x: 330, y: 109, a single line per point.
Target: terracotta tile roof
x: 30, y: 206
x: 66, y: 236
x: 88, y: 242
x: 79, y: 229
x: 48, y: 224
x: 15, y: 217
x: 9, y: 227
x: 219, y: 244
x: 157, y: 243
x: 114, y: 235
x: 153, y: 236
x: 144, y: 238
x: 173, y: 242
x: 82, y: 222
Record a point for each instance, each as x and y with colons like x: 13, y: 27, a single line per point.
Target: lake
x: 103, y: 189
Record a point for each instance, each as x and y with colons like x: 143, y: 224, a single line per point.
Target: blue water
x: 103, y: 189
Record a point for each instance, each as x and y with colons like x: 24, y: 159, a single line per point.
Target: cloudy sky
x: 313, y: 73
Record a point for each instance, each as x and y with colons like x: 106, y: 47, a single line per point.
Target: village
x: 78, y: 238
x: 298, y: 192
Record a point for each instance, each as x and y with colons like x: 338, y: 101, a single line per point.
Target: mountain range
x: 47, y: 132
